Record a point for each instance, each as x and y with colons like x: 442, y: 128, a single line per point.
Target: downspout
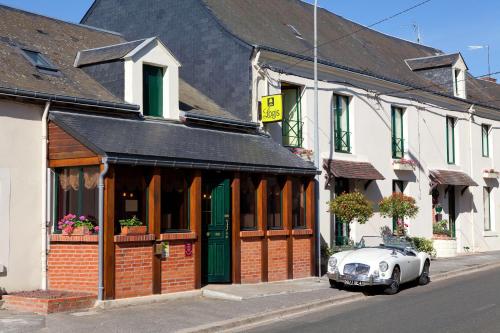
x: 473, y: 229
x: 43, y: 214
x: 100, y: 288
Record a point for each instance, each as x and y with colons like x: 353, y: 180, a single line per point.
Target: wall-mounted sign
x: 272, y: 108
x: 188, y: 249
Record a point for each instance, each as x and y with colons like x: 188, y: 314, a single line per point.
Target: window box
x: 78, y: 231
x: 490, y: 174
x: 305, y: 154
x: 403, y: 165
x: 134, y: 230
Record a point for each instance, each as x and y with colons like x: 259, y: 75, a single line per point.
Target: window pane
x: 67, y: 192
x: 248, y: 198
x: 485, y: 133
x: 450, y: 140
x: 487, y: 208
x: 341, y: 123
x: 174, y: 202
x: 152, y: 91
x: 273, y: 204
x: 292, y: 118
x: 90, y: 195
x: 397, y: 133
x: 298, y: 204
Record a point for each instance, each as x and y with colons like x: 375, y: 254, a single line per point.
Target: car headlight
x: 332, y: 263
x: 383, y: 266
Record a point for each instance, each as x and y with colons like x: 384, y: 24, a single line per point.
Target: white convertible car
x: 377, y: 261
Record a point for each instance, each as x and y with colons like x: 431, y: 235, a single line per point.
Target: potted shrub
x: 441, y: 230
x: 76, y: 226
x: 349, y: 207
x: 132, y: 226
x: 399, y: 206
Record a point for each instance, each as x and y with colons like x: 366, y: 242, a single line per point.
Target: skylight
x: 295, y: 31
x: 38, y: 60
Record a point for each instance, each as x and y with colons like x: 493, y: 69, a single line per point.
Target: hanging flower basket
x: 403, y: 164
x: 490, y: 174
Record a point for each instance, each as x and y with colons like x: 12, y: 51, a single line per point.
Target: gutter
x: 100, y: 186
x: 39, y: 96
x: 44, y: 193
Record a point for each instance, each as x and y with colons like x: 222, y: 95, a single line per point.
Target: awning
x: 350, y: 170
x: 159, y: 142
x: 448, y: 177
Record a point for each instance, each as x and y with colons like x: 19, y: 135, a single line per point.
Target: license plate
x: 353, y: 283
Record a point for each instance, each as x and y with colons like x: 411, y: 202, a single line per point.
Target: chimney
x: 489, y: 79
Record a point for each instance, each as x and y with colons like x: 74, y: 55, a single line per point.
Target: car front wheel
x: 424, y: 276
x: 393, y: 288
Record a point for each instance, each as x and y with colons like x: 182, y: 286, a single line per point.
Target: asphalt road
x: 466, y: 304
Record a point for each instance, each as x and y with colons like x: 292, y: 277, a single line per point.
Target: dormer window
x: 152, y: 90
x: 39, y: 61
x: 459, y: 83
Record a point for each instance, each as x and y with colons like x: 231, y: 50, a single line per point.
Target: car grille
x: 356, y: 269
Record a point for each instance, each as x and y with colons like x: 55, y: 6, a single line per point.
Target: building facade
x: 395, y: 116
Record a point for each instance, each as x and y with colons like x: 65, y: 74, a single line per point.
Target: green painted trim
x: 342, y: 136
x: 55, y: 208
x: 450, y: 122
x: 152, y: 88
x: 397, y: 141
x: 291, y: 130
x: 485, y: 139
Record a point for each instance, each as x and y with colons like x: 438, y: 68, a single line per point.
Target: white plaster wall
x: 425, y: 135
x: 154, y: 54
x: 20, y: 160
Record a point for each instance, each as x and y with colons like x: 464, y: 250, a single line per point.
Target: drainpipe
x: 100, y: 187
x: 43, y: 214
x: 473, y: 229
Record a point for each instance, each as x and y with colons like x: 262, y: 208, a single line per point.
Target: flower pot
x: 490, y: 174
x: 134, y: 230
x: 403, y: 166
x: 78, y: 231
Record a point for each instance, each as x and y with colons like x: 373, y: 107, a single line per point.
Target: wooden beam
x: 195, y: 222
x: 287, y: 222
x: 154, y: 223
x: 262, y: 225
x: 235, y: 228
x: 310, y: 219
x: 109, y: 233
x: 71, y: 162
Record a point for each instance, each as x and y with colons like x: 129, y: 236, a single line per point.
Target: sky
x: 448, y: 25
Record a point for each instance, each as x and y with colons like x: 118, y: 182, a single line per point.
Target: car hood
x: 368, y: 256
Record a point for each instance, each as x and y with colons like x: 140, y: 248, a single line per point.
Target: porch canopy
x: 351, y: 170
x: 134, y: 140
x: 449, y: 177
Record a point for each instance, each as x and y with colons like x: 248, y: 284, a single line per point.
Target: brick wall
x: 251, y: 259
x: 178, y: 270
x: 133, y: 269
x: 72, y: 265
x: 301, y: 256
x: 277, y: 258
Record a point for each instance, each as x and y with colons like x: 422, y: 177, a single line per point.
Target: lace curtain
x: 69, y: 179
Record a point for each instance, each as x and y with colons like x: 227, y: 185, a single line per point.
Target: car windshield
x: 392, y: 242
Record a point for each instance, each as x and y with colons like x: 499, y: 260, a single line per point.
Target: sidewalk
x: 234, y: 306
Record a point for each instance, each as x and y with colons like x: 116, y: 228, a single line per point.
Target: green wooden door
x: 216, y: 222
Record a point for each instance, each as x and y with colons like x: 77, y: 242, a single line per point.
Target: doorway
x: 216, y: 257
x: 452, y: 213
x: 342, y: 230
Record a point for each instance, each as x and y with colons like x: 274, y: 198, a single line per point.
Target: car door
x: 412, y: 266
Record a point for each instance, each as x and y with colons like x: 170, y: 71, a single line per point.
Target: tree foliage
x: 349, y: 207
x: 398, y: 206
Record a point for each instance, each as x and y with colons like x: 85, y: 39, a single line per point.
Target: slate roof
x: 433, y: 61
x: 59, y: 42
x: 351, y: 170
x: 164, y: 143
x: 106, y: 53
x: 449, y: 177
x: 273, y: 25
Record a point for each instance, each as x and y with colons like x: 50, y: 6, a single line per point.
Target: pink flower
x: 406, y: 225
x: 96, y: 228
x: 82, y: 218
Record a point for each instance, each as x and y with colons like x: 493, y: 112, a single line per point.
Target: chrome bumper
x: 360, y: 280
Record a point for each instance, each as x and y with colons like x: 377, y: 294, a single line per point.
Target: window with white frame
x: 341, y: 124
x: 485, y: 133
x: 450, y: 140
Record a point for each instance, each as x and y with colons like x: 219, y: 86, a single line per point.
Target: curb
x: 262, y: 318
x: 142, y: 300
x: 273, y: 315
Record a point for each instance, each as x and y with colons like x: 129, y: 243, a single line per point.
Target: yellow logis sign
x: 272, y: 108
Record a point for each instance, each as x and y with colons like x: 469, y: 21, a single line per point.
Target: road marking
x: 486, y: 307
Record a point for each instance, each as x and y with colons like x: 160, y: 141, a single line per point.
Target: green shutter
x: 341, y: 125
x: 397, y: 138
x: 292, y: 117
x: 450, y: 140
x: 152, y: 91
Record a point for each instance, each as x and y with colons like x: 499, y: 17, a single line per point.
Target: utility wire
x: 359, y: 30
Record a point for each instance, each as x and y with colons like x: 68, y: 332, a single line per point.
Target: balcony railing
x: 343, y: 141
x: 398, y: 147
